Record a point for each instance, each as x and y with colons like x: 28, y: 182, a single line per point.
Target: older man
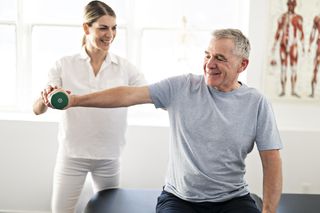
x: 215, y: 121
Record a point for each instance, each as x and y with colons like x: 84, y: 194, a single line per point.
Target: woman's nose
x: 109, y: 33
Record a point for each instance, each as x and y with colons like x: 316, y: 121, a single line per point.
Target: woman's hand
x: 45, y: 93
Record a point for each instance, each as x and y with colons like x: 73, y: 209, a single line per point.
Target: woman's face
x: 102, y: 32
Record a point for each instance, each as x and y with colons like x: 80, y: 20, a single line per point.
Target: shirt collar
x: 111, y: 58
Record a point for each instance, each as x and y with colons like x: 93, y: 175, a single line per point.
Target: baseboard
x: 21, y: 211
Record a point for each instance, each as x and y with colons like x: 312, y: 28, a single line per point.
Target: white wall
x: 27, y: 148
x: 27, y: 156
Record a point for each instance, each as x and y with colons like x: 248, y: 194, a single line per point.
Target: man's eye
x: 220, y: 58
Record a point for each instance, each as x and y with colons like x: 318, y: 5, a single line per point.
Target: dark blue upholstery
x: 299, y: 203
x: 123, y: 201
x: 145, y: 200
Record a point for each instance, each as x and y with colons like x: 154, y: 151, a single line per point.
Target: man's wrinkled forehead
x: 225, y: 45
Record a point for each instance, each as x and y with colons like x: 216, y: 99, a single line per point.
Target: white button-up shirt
x: 93, y: 133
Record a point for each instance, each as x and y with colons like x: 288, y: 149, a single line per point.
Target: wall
x: 27, y: 148
x: 27, y: 156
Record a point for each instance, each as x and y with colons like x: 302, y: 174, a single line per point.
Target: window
x: 161, y: 37
x: 8, y: 10
x: 173, y: 41
x: 8, y: 63
x: 169, y: 52
x: 8, y: 81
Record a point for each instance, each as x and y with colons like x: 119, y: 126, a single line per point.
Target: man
x: 288, y: 30
x: 314, y: 31
x: 215, y: 121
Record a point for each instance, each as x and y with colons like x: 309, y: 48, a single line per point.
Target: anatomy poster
x: 294, y: 51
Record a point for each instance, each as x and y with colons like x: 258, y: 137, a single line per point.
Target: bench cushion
x: 124, y: 201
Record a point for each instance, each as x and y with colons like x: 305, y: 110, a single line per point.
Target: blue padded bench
x: 130, y: 201
x: 123, y: 201
x: 299, y: 203
x: 144, y: 201
x: 295, y: 203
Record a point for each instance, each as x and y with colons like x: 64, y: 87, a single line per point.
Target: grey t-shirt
x: 211, y: 134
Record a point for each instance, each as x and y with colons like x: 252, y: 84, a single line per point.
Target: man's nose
x: 211, y: 62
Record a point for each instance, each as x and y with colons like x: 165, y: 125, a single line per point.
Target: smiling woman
x: 93, y: 143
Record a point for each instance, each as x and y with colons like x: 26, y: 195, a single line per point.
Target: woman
x: 90, y: 139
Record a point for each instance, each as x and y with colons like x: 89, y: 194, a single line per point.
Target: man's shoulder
x: 189, y: 77
x: 251, y: 91
x: 183, y: 81
x: 191, y: 80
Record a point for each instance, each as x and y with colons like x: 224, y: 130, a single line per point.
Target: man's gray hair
x: 241, y: 42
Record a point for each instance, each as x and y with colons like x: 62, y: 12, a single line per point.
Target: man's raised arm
x: 123, y: 96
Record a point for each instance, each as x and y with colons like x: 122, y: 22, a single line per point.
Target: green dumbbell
x: 59, y: 99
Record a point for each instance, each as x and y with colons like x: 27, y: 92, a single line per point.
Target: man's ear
x: 243, y: 65
x: 85, y: 27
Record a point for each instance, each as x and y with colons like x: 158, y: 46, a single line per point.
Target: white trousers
x: 70, y: 175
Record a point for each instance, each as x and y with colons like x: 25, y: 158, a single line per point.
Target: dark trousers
x: 169, y: 203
